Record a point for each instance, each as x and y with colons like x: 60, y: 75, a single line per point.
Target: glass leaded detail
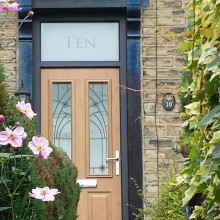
x: 62, y: 116
x: 98, y: 127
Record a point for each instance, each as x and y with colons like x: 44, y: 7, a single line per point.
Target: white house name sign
x: 80, y: 41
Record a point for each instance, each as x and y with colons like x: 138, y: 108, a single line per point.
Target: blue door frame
x: 132, y: 164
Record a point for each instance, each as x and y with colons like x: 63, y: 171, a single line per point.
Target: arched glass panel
x: 98, y: 127
x: 62, y: 116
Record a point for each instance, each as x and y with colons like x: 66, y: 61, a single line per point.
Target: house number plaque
x: 169, y: 101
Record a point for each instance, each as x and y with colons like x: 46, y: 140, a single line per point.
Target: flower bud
x: 2, y: 118
x: 30, y: 13
x: 17, y: 124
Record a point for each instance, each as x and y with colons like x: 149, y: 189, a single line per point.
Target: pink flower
x: 2, y: 118
x: 44, y: 194
x: 6, y: 6
x: 14, y: 137
x: 25, y: 108
x: 40, y: 147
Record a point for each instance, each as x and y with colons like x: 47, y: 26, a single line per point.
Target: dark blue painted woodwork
x: 25, y: 64
x: 42, y: 4
x: 135, y: 170
x: 26, y: 7
x: 134, y: 127
x: 25, y: 45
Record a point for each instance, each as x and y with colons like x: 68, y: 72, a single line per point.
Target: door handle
x: 117, y: 164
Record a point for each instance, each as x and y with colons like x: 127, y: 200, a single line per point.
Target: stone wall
x: 162, y: 24
x: 8, y: 33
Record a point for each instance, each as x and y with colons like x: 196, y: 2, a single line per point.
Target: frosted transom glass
x: 98, y: 126
x: 62, y: 132
x: 80, y: 41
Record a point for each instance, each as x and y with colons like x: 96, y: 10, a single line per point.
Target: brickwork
x: 8, y: 32
x: 161, y: 68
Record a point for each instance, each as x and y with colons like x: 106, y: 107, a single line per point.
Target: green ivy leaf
x: 216, y: 137
x: 217, y: 172
x: 193, y: 108
x: 203, y: 172
x: 217, y: 217
x: 208, y: 118
x: 214, y: 67
x: 189, y: 194
x: 208, y: 53
x: 217, y: 192
x: 216, y: 153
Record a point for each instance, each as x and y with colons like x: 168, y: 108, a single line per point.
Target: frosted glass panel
x: 62, y: 116
x: 98, y: 125
x: 80, y: 41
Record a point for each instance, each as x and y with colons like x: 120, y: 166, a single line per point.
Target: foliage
x: 168, y: 205
x: 202, y: 136
x: 58, y: 172
x: 20, y: 172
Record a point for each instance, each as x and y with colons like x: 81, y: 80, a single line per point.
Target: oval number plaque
x: 169, y: 101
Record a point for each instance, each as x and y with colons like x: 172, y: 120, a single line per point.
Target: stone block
x: 150, y: 166
x: 7, y: 56
x: 167, y: 4
x: 148, y: 40
x: 174, y: 130
x: 152, y: 131
x: 151, y: 179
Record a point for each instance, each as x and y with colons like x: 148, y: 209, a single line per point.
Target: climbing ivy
x: 201, y: 139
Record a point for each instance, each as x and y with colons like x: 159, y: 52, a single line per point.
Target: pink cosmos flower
x: 13, y: 136
x: 6, y: 6
x: 25, y: 108
x: 40, y: 147
x: 45, y: 194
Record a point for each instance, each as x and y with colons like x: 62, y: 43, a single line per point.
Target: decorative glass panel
x: 62, y: 116
x: 98, y: 127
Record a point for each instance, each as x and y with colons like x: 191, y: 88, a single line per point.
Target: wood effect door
x: 80, y: 113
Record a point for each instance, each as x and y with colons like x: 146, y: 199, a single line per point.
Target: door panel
x: 80, y: 112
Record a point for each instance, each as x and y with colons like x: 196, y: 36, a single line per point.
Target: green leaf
x: 217, y: 217
x: 189, y: 194
x: 218, y: 173
x: 4, y: 208
x: 208, y: 53
x: 216, y: 153
x: 213, y: 64
x: 217, y: 2
x: 216, y: 137
x: 217, y: 192
x: 203, y: 172
x: 208, y: 118
x: 193, y: 108
x: 11, y: 156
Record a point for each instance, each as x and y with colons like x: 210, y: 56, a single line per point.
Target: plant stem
x: 9, y: 194
x: 29, y: 202
x: 23, y: 177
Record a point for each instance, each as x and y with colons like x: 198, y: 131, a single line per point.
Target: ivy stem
x: 193, y: 33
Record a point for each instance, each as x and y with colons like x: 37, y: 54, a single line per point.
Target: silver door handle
x: 112, y: 158
x: 117, y: 163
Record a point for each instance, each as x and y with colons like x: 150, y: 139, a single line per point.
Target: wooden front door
x: 80, y: 113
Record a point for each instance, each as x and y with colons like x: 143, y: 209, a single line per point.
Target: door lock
x: 117, y: 165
